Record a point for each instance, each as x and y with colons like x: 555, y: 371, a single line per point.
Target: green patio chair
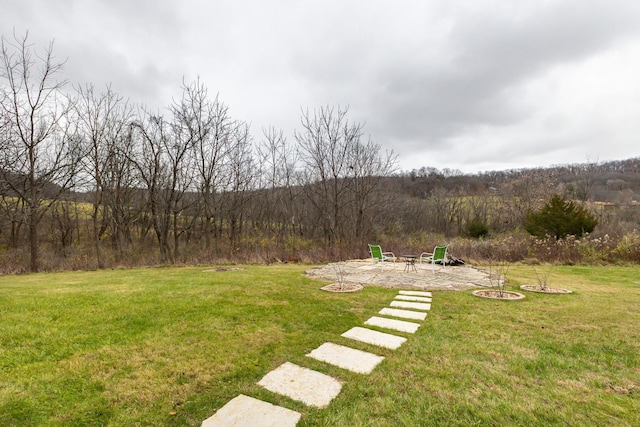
x: 439, y: 255
x: 379, y: 256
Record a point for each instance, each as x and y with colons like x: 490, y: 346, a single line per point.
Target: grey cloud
x: 479, y: 78
x: 487, y: 57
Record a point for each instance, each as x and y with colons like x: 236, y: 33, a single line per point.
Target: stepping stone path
x: 347, y: 358
x: 398, y: 325
x: 414, y: 299
x: 310, y: 387
x: 413, y: 305
x: 369, y: 336
x: 317, y: 389
x: 405, y: 314
x: 247, y: 411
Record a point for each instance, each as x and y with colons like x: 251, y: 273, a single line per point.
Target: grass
x: 170, y: 346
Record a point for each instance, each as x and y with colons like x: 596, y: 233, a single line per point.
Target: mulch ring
x: 346, y: 287
x: 545, y: 290
x: 496, y: 294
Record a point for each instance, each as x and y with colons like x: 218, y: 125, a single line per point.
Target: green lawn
x: 169, y: 346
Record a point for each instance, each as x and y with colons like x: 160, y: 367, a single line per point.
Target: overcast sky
x: 473, y: 85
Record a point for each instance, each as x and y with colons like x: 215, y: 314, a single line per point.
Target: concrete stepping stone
x: 411, y: 298
x: 305, y: 385
x: 348, y: 358
x: 245, y: 411
x: 412, y: 305
x: 405, y: 314
x: 416, y: 293
x: 397, y: 325
x: 369, y: 336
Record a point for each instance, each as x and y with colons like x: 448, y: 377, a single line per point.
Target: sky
x: 476, y: 85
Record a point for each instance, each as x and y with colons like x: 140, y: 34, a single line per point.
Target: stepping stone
x: 247, y: 411
x: 413, y: 305
x: 348, y: 358
x: 374, y: 337
x: 410, y: 298
x: 416, y: 293
x: 305, y: 385
x: 405, y: 314
x: 398, y: 325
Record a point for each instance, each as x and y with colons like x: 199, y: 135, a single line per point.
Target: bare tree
x: 41, y: 153
x: 64, y: 224
x: 211, y: 126
x: 447, y: 213
x: 239, y: 173
x: 277, y: 160
x: 341, y: 174
x: 324, y: 144
x: 185, y: 135
x: 121, y: 185
x: 150, y: 135
x: 585, y: 179
x: 367, y: 165
x: 104, y: 122
x: 163, y: 163
x: 13, y: 209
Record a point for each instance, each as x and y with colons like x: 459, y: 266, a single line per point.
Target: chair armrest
x: 389, y: 255
x: 426, y: 254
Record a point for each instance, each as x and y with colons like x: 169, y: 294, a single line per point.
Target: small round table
x: 410, y: 263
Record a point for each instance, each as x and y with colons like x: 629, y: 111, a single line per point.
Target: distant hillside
x: 613, y: 181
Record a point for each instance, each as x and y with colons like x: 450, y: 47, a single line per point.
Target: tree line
x: 85, y: 167
x: 90, y: 180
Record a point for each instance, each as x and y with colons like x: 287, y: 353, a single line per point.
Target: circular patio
x: 394, y: 275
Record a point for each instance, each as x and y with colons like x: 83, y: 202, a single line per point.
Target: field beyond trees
x: 170, y: 346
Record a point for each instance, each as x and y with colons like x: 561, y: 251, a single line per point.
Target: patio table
x: 410, y: 263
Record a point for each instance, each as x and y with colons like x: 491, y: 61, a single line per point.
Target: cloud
x: 474, y: 102
x: 469, y: 85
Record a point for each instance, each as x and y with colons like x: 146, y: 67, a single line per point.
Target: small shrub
x: 542, y: 276
x: 476, y: 229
